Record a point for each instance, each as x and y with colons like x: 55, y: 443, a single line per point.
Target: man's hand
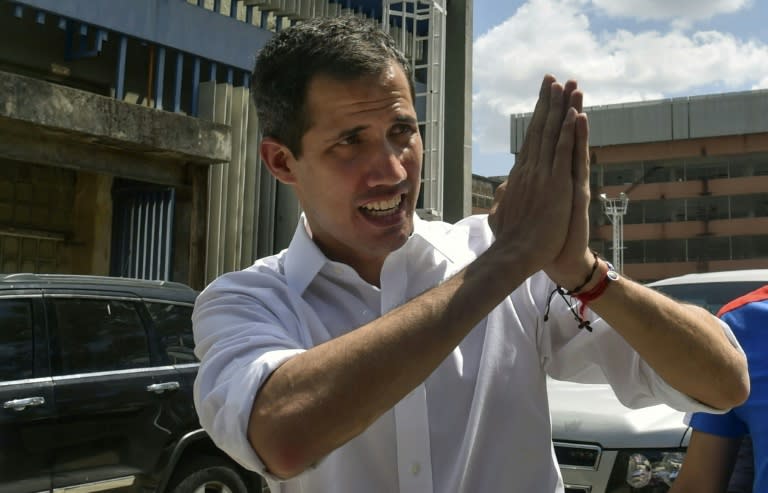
x: 541, y: 210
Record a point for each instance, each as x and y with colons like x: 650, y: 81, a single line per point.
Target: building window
x: 595, y: 176
x: 634, y: 252
x: 709, y: 248
x: 665, y: 251
x: 635, y: 213
x: 622, y: 174
x: 761, y: 168
x: 754, y: 205
x: 749, y: 247
x: 707, y: 208
x: 706, y: 171
x: 749, y: 165
x: 661, y: 172
x: 662, y: 211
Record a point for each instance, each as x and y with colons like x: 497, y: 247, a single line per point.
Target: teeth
x: 383, y: 205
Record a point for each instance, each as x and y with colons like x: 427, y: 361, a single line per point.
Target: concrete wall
x: 458, y: 202
x: 36, y: 223
x: 92, y: 224
x: 54, y: 220
x: 92, y: 139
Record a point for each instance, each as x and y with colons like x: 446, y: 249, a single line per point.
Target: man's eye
x: 352, y: 139
x: 403, y: 130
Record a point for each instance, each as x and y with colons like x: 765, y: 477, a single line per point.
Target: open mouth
x: 382, y: 207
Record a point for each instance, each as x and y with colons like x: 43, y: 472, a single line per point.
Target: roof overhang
x: 45, y: 123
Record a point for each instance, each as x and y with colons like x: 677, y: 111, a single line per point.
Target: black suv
x: 96, y: 378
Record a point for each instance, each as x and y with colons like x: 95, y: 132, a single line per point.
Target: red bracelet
x: 595, y: 292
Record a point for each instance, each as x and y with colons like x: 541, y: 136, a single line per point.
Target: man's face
x: 359, y: 173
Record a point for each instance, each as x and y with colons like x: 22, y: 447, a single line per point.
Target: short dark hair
x: 344, y: 48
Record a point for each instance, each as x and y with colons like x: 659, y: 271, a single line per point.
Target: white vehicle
x: 603, y: 446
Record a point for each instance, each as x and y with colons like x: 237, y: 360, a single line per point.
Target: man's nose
x: 387, y: 167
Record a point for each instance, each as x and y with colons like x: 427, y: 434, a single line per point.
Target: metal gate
x: 142, y: 230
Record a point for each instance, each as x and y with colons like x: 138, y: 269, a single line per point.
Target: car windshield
x: 710, y: 295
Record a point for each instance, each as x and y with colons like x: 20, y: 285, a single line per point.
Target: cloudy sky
x: 618, y: 50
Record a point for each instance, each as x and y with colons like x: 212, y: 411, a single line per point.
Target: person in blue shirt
x: 716, y: 439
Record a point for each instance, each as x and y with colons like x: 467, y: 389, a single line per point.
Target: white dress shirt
x: 479, y: 423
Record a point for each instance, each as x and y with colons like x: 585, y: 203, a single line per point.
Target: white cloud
x: 554, y: 36
x: 680, y: 11
x: 763, y: 84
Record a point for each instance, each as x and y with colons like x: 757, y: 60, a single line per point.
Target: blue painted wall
x: 172, y: 23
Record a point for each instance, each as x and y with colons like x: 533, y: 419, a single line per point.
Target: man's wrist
x: 607, y: 275
x: 508, y: 266
x: 589, y: 279
x: 603, y: 268
x: 580, y: 275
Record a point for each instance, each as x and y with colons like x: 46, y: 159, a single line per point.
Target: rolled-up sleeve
x: 244, y: 328
x: 604, y: 356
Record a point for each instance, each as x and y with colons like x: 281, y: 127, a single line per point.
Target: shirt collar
x: 441, y: 236
x: 304, y: 260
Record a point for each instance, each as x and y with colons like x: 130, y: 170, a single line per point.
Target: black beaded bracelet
x: 589, y: 277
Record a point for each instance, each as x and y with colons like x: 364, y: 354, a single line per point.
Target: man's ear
x: 279, y: 159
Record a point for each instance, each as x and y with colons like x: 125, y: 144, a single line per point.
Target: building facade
x: 695, y: 172
x: 483, y: 190
x: 129, y: 143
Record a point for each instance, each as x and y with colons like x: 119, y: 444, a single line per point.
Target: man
x: 382, y: 353
x: 718, y: 441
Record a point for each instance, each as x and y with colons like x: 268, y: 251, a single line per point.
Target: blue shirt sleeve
x: 725, y: 425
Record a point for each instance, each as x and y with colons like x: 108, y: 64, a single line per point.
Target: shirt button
x: 415, y: 468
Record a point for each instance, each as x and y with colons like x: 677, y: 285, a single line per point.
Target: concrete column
x: 92, y: 224
x: 287, y: 212
x: 457, y: 188
x: 197, y: 226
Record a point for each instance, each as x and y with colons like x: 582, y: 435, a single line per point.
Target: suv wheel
x: 208, y: 475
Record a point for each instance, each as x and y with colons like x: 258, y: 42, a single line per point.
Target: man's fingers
x: 581, y: 161
x: 562, y: 161
x: 577, y: 101
x: 568, y: 90
x: 552, y: 127
x: 536, y: 125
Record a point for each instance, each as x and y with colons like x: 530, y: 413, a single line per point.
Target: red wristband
x: 595, y: 292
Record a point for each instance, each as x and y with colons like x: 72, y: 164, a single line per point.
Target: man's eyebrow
x: 406, y: 119
x: 350, y: 132
x: 345, y: 134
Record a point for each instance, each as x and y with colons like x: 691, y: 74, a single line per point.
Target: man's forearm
x: 322, y: 398
x: 684, y: 344
x: 708, y: 464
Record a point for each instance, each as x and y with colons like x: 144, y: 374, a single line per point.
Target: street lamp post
x: 615, y: 209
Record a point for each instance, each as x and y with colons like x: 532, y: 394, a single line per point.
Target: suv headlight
x: 645, y: 471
